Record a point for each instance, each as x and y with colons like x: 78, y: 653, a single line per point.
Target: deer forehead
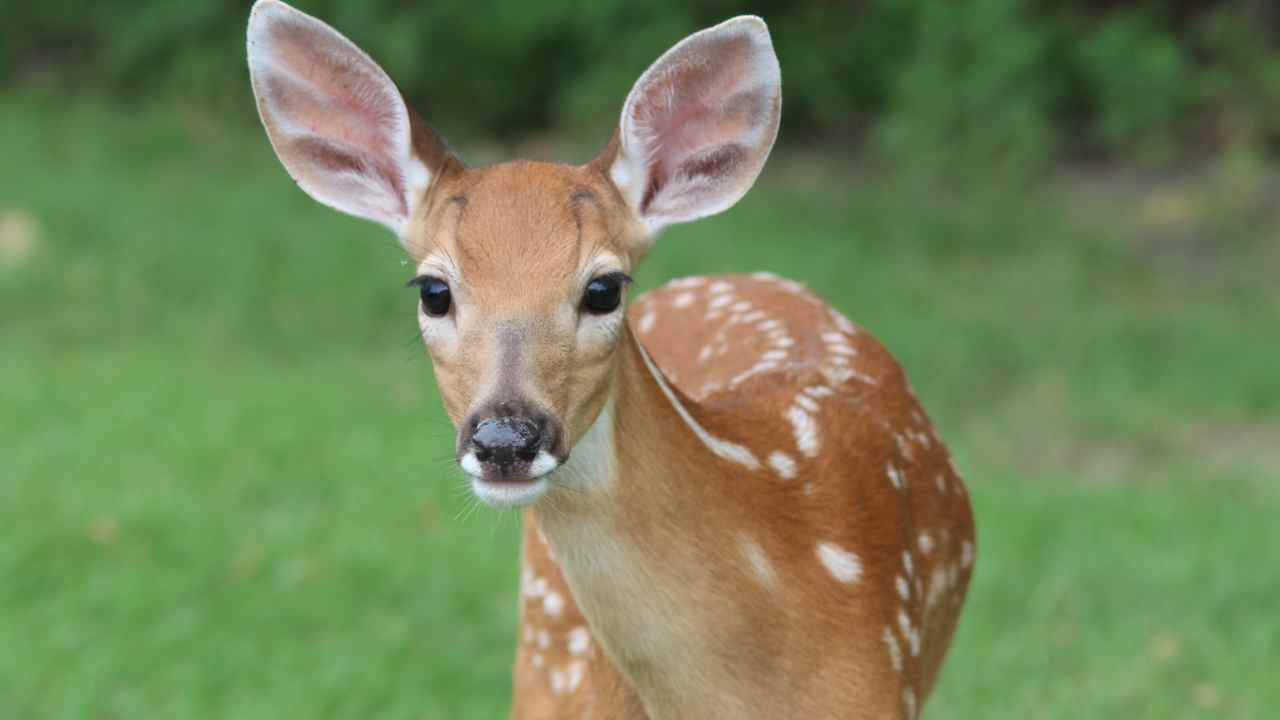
x: 520, y: 235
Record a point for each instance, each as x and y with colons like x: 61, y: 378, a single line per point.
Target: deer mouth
x: 509, y: 484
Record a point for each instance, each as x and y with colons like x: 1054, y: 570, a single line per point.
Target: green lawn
x: 226, y: 487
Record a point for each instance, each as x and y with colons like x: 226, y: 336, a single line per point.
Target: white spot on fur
x: 903, y: 448
x: 684, y: 299
x: 966, y: 554
x: 537, y: 660
x: 741, y: 306
x: 904, y: 590
x: 704, y: 354
x: 579, y: 640
x: 938, y: 584
x: 921, y: 438
x: 768, y: 325
x: 782, y: 464
x: 805, y: 429
x: 783, y: 341
x: 818, y: 391
x: 909, y: 702
x: 553, y: 604
x: 907, y: 563
x: 544, y: 639
x: 577, y: 669
x: 759, y: 561
x: 941, y: 483
x: 895, y: 652
x: 646, y: 321
x: 753, y: 316
x: 774, y: 355
x: 719, y: 301
x: 840, y: 375
x: 720, y: 286
x: 688, y: 282
x: 904, y: 624
x: 536, y: 587
x: 843, y: 565
x: 834, y: 338
x: 807, y: 403
x: 760, y: 367
x: 925, y: 542
x: 896, y: 477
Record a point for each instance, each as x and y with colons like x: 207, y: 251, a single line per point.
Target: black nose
x: 507, y: 439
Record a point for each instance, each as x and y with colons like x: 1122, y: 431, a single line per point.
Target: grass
x: 225, y: 488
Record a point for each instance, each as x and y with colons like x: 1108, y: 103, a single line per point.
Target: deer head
x: 522, y: 267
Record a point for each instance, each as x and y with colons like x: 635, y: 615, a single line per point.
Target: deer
x: 734, y: 504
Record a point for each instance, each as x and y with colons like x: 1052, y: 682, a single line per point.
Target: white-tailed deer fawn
x: 736, y: 506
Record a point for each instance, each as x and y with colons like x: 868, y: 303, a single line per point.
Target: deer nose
x: 506, y: 440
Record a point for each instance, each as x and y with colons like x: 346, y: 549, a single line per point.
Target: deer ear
x: 699, y: 124
x: 336, y: 120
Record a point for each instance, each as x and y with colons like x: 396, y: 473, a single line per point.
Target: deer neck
x: 637, y: 524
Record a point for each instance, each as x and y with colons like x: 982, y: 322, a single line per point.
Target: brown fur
x: 521, y: 257
x: 808, y: 647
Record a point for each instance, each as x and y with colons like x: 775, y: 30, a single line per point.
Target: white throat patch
x: 591, y: 463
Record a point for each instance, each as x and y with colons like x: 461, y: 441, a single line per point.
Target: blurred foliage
x: 967, y: 101
x: 1017, y: 81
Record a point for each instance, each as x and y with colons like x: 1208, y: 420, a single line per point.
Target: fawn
x: 735, y: 505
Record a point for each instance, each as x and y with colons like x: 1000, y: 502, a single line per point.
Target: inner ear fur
x: 699, y: 124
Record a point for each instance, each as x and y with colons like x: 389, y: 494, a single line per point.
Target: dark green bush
x: 1137, y: 76
x: 1006, y: 80
x: 973, y: 93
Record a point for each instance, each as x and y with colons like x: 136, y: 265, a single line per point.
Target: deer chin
x: 503, y: 495
x: 515, y: 486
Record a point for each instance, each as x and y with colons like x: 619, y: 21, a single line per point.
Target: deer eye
x: 435, y: 295
x: 604, y: 293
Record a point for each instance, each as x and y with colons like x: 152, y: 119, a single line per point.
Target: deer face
x: 521, y: 268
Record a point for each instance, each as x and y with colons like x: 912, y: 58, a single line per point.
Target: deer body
x: 824, y: 580
x: 736, y: 507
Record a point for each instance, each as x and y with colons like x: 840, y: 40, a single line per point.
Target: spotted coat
x: 859, y: 529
